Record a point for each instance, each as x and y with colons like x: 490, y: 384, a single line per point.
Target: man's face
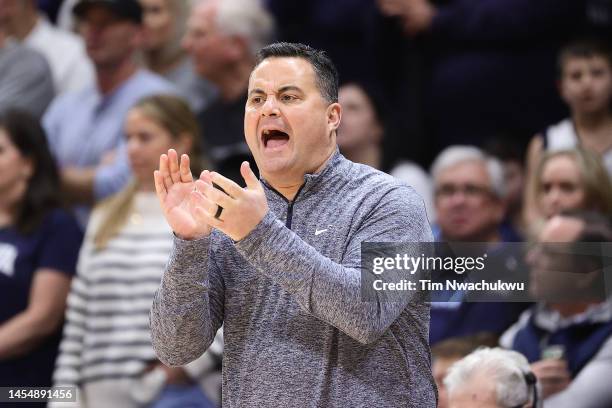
x: 108, y: 38
x: 586, y: 84
x: 467, y: 208
x: 204, y: 43
x: 552, y: 273
x: 289, y: 126
x: 439, y: 370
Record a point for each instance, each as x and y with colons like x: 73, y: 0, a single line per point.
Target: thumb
x: 249, y: 177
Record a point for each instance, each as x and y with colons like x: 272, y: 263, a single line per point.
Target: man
x: 491, y: 378
x: 567, y: 335
x: 25, y: 77
x: 64, y: 51
x: 222, y: 39
x: 85, y: 128
x: 279, y: 266
x: 469, y: 195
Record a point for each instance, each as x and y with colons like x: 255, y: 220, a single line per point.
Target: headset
x: 532, y: 382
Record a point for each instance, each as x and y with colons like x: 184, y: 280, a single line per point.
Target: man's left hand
x: 243, y: 208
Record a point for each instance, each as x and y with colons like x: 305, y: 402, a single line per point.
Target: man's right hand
x: 181, y: 202
x: 553, y: 375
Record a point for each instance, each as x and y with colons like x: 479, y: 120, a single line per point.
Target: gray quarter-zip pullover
x: 296, y: 331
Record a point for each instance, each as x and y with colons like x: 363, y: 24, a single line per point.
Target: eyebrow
x: 280, y: 90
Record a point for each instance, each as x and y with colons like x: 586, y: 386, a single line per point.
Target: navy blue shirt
x: 54, y: 245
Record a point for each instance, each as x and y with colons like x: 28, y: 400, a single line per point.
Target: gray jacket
x: 297, y: 333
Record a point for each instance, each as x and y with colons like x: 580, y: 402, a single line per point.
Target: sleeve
x: 494, y: 21
x: 591, y: 387
x: 27, y: 84
x: 188, y: 307
x: 112, y: 178
x: 332, y: 291
x: 61, y: 244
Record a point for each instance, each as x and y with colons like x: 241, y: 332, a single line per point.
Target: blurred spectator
x: 223, y: 38
x: 25, y: 78
x: 506, y: 148
x: 571, y: 180
x: 165, y: 24
x: 85, y: 128
x: 469, y: 201
x: 362, y: 127
x: 65, y: 52
x: 585, y: 82
x: 469, y: 195
x: 106, y: 348
x: 492, y: 62
x: 361, y: 133
x: 492, y: 378
x: 447, y: 352
x: 367, y: 48
x: 567, y: 337
x: 39, y: 244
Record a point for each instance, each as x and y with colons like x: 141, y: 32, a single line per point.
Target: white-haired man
x: 222, y: 39
x: 469, y: 201
x: 491, y: 378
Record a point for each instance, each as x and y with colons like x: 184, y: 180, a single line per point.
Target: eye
x: 288, y: 98
x: 256, y: 100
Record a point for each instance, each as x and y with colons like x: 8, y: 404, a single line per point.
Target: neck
x: 110, y: 78
x: 570, y: 309
x: 234, y: 81
x: 289, y: 189
x: 161, y: 61
x: 592, y: 121
x: 25, y: 26
x: 370, y: 155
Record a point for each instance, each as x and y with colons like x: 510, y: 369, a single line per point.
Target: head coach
x: 277, y: 262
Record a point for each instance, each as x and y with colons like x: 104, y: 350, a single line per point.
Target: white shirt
x: 71, y: 68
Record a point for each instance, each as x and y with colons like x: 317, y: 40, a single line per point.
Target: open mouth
x: 274, y: 138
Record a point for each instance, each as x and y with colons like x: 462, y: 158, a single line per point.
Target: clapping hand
x: 243, y: 208
x: 179, y: 198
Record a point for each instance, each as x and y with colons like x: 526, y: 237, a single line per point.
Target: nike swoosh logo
x: 319, y: 232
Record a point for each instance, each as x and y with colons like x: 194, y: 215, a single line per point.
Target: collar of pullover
x: 335, y: 167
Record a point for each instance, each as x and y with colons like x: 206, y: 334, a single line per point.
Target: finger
x: 185, y: 169
x: 174, y: 166
x: 216, y: 196
x: 165, y: 171
x: 198, y: 199
x: 160, y: 188
x: 209, y: 219
x: 231, y: 188
x: 205, y: 177
x: 249, y: 177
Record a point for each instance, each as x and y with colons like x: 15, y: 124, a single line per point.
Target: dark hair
x: 43, y: 191
x: 583, y: 48
x: 324, y: 69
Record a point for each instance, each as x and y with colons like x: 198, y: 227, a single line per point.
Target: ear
x: 236, y: 47
x: 137, y: 37
x: 28, y: 167
x: 184, y: 144
x: 334, y: 115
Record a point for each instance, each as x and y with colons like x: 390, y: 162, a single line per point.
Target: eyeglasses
x: 468, y: 190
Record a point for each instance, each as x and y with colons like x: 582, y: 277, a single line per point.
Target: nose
x: 270, y: 107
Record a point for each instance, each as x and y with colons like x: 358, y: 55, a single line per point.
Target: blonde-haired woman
x: 572, y: 179
x: 106, y: 349
x: 164, y: 25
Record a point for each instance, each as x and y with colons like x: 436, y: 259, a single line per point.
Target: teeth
x: 266, y: 132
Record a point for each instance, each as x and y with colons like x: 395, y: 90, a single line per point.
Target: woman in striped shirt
x: 106, y: 349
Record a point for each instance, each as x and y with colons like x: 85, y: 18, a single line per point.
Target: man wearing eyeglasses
x: 469, y: 202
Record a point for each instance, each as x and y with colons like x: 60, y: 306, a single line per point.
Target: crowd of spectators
x: 497, y: 112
